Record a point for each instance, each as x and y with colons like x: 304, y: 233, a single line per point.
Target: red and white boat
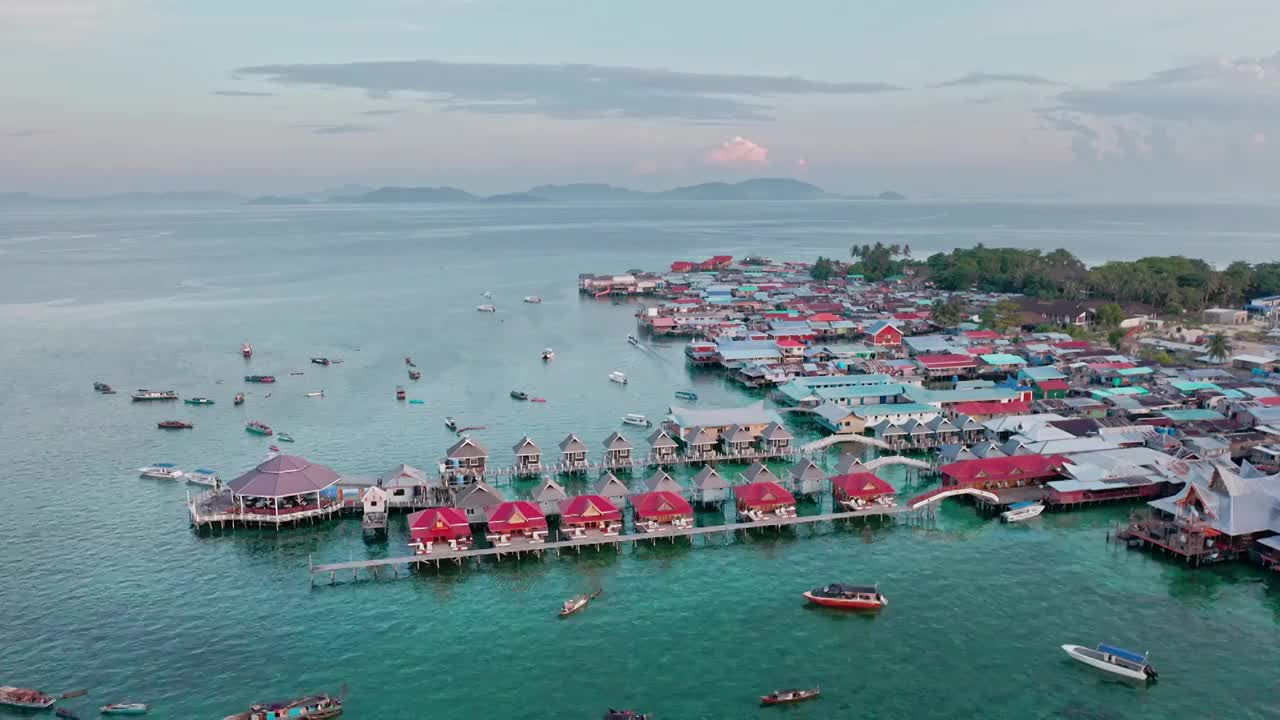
x: 25, y: 698
x: 246, y: 350
x: 849, y: 597
x: 782, y: 697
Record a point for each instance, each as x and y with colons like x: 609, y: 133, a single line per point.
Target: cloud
x: 342, y: 129
x: 243, y: 93
x: 567, y: 91
x: 979, y: 78
x: 28, y: 132
x: 646, y: 167
x: 802, y: 164
x: 738, y: 152
x: 382, y: 112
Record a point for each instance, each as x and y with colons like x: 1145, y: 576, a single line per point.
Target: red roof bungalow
x: 824, y: 317
x: 884, y: 333
x: 716, y: 263
x: 982, y: 336
x: 942, y: 365
x: 516, y: 517
x: 584, y: 513
x: 443, y: 524
x: 759, y: 499
x: 661, y: 508
x: 1002, y: 472
x: 1055, y: 388
x: 858, y: 490
x: 682, y: 266
x: 904, y: 316
x: 792, y: 350
x: 984, y: 410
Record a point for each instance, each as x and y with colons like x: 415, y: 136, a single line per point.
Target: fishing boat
x: 849, y: 597
x: 257, y: 427
x: 246, y: 350
x: 321, y: 361
x: 632, y: 339
x: 25, y: 698
x: 161, y: 471
x: 637, y: 419
x: 105, y: 389
x: 174, y: 425
x: 612, y: 714
x: 198, y: 401
x: 238, y: 399
x: 316, y: 393
x: 573, y: 605
x: 519, y: 395
x: 1022, y: 511
x: 450, y: 423
x: 267, y: 379
x: 1114, y: 660
x: 686, y: 395
x: 486, y: 308
x: 619, y: 377
x: 203, y: 476
x: 533, y: 300
x: 145, y: 395
x: 125, y: 709
x: 284, y: 437
x: 314, y: 707
x: 548, y: 353
x: 782, y: 697
x: 400, y: 394
x: 415, y: 373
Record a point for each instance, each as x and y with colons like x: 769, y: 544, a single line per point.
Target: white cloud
x: 738, y: 152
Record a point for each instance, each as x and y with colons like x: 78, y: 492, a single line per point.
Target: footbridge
x: 940, y: 494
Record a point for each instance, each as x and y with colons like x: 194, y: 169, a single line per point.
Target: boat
x: 637, y: 419
x: 1022, y: 511
x: 470, y: 428
x: 414, y: 373
x: 174, y: 425
x: 239, y: 399
x: 409, y: 361
x: 686, y: 395
x: 612, y: 714
x: 284, y: 437
x: 125, y: 709
x: 1114, y: 660
x: 105, y: 389
x: 573, y: 605
x: 537, y: 400
x: 65, y: 713
x: 619, y: 377
x: 781, y: 697
x: 316, y: 393
x: 519, y: 395
x: 25, y: 698
x: 198, y: 401
x: 145, y: 395
x: 850, y: 597
x: 246, y: 350
x: 416, y: 402
x: 548, y: 353
x: 314, y: 707
x: 400, y: 395
x: 321, y: 361
x: 203, y: 476
x: 533, y: 300
x: 274, y: 448
x: 268, y: 379
x: 486, y: 308
x: 257, y: 427
x: 632, y: 339
x: 450, y: 423
x: 161, y: 471
x: 296, y: 372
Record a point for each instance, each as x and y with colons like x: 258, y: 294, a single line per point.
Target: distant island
x: 756, y: 189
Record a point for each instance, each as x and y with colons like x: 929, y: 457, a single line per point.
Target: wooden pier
x: 459, y: 557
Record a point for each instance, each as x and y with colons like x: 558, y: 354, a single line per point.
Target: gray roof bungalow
x: 805, y: 478
x: 466, y: 458
x: 759, y: 472
x: 736, y: 440
x: 698, y: 443
x: 573, y: 454
x: 609, y: 486
x: 753, y: 418
x: 549, y: 495
x: 617, y: 451
x: 660, y: 480
x: 663, y: 447
x: 709, y: 488
x: 775, y: 438
x: 477, y: 499
x: 528, y: 457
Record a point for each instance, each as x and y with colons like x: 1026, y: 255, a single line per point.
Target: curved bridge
x: 884, y: 460
x: 939, y: 494
x: 830, y: 440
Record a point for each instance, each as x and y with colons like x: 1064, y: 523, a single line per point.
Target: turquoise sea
x: 106, y: 587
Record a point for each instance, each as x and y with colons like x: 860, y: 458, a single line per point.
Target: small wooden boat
x: 573, y: 605
x: 1020, y: 511
x: 161, y: 471
x: 470, y: 428
x: 537, y: 400
x: 257, y: 427
x: 274, y: 448
x: 619, y: 377
x: 174, y: 425
x: 25, y: 698
x: 848, y: 597
x: 686, y: 395
x: 238, y: 399
x: 125, y: 709
x: 246, y: 350
x: 266, y: 379
x: 415, y: 374
x: 781, y: 697
x: 451, y: 423
x: 284, y: 437
x: 198, y: 401
x: 316, y: 393
x: 548, y: 354
x: 612, y: 714
x: 519, y: 395
x: 314, y: 707
x: 1112, y: 659
x: 400, y: 394
x: 321, y: 361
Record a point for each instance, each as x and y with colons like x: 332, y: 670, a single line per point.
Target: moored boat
x: 25, y: 698
x: 257, y: 427
x: 174, y: 425
x: 203, y: 476
x: 780, y: 697
x: 246, y: 350
x: 316, y: 393
x: 1112, y: 659
x: 633, y: 340
x: 105, y: 389
x: 686, y: 395
x: 321, y: 361
x: 519, y: 395
x: 239, y: 399
x: 451, y: 423
x: 612, y: 714
x: 409, y: 361
x: 415, y: 374
x: 637, y: 419
x: 850, y: 597
x: 145, y: 395
x: 548, y: 353
x: 533, y: 300
x: 284, y: 437
x: 400, y: 394
x: 198, y: 401
x: 486, y: 308
x: 1022, y: 511
x: 268, y: 379
x: 619, y: 377
x: 125, y: 709
x: 161, y: 471
x: 314, y: 707
x: 575, y: 604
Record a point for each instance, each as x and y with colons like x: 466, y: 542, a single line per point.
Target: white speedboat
x: 619, y: 377
x: 548, y: 353
x: 161, y: 471
x: 1114, y: 660
x: 1018, y: 512
x: 636, y: 419
x: 203, y: 476
x: 486, y: 308
x: 316, y: 393
x: 533, y: 300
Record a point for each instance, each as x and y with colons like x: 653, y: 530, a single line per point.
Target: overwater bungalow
x: 805, y: 479
x: 944, y: 431
x: 573, y: 455
x: 847, y: 463
x: 763, y: 500
x: 549, y: 495
x: 609, y: 486
x: 515, y: 523
x: 859, y: 490
x: 736, y: 440
x: 659, y: 510
x: 406, y: 486
x: 373, y: 506
x: 759, y: 472
x: 699, y: 444
x: 617, y: 451
x: 477, y: 499
x: 465, y: 460
x: 660, y: 480
x: 284, y: 489
x: 439, y: 525
x: 776, y: 439
x: 664, y: 448
x: 528, y: 457
x: 589, y: 515
x: 709, y: 488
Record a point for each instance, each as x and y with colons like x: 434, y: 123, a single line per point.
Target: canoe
x: 781, y: 697
x: 125, y: 709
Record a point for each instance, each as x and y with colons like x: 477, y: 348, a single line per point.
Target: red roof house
x: 439, y: 524
x: 884, y: 333
x: 982, y: 335
x: 681, y: 266
x: 661, y: 506
x: 764, y: 496
x: 824, y: 317
x: 516, y: 517
x: 995, y: 472
x: 861, y: 486
x: 985, y: 410
x: 946, y: 364
x: 588, y: 510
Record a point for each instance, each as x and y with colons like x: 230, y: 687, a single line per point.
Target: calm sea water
x: 105, y: 586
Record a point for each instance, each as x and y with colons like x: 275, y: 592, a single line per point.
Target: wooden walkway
x: 830, y: 440
x: 595, y: 541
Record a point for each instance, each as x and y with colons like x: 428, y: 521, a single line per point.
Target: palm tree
x: 1219, y: 347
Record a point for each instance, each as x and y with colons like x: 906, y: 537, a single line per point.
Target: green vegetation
x: 1219, y: 347
x: 1115, y: 338
x: 879, y: 261
x: 1002, y: 315
x: 1110, y: 315
x: 949, y: 313
x: 823, y: 269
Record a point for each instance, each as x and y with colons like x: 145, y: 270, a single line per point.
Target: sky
x: 1131, y: 98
